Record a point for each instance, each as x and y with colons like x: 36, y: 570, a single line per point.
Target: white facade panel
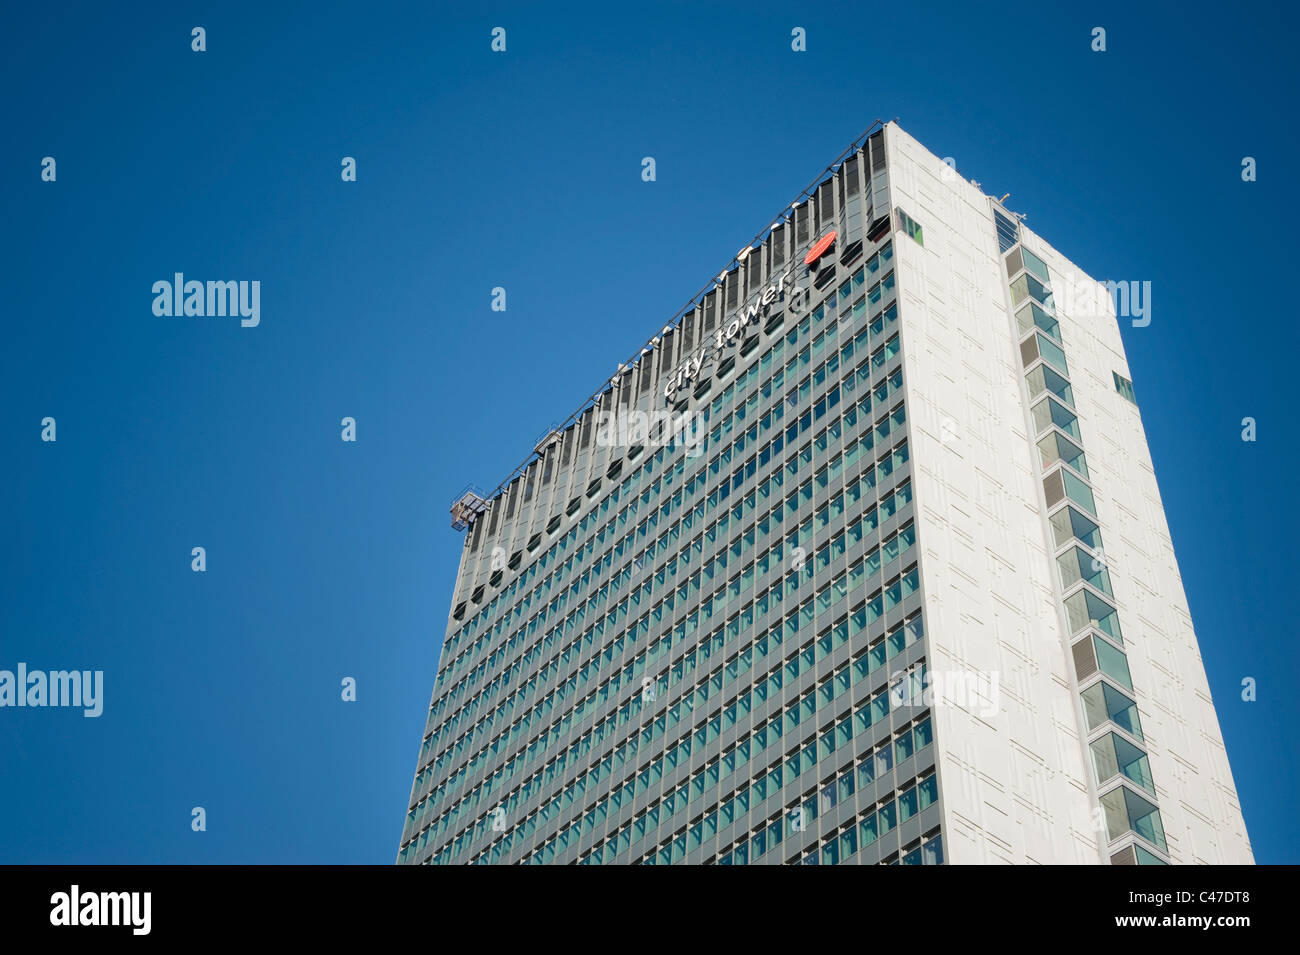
x: 1017, y: 782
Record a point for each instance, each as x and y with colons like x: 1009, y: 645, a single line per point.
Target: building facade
x: 861, y: 559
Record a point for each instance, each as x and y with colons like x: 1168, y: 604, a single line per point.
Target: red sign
x: 819, y: 248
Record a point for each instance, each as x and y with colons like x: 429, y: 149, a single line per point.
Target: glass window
x: 1015, y: 263
x: 932, y: 852
x: 1112, y: 661
x: 1124, y: 387
x: 1125, y: 810
x: 867, y: 830
x: 845, y: 782
x: 1079, y: 492
x: 1052, y: 353
x: 1054, y: 447
x: 1034, y: 264
x: 1051, y: 412
x: 887, y: 817
x: 1102, y: 702
x: 910, y: 226
x: 848, y: 843
x: 1077, y: 564
x: 1068, y: 523
x: 1027, y: 287
x: 1085, y: 609
x: 1043, y: 378
x: 884, y: 760
x: 1008, y: 231
x: 1113, y: 755
x: 928, y: 789
x: 1031, y: 314
x: 865, y: 771
x: 903, y: 746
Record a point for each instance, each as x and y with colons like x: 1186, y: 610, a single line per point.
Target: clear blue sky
x: 477, y: 170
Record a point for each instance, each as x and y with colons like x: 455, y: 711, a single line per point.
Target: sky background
x: 522, y: 170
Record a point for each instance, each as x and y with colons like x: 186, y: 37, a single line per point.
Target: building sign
x: 820, y: 248
x: 732, y: 332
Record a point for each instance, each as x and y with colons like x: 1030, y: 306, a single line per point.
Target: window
x: 887, y: 816
x: 1113, y: 663
x: 1015, y: 262
x: 1032, y: 314
x: 1068, y: 522
x: 1078, y: 492
x: 1050, y: 412
x: 932, y: 852
x: 924, y: 734
x: 1029, y: 287
x: 1126, y: 810
x: 848, y: 842
x: 868, y: 830
x: 928, y: 789
x: 910, y: 226
x: 1085, y: 609
x: 1124, y: 387
x: 903, y: 746
x: 884, y: 760
x: 1113, y: 755
x: 907, y: 804
x: 1077, y: 564
x: 1053, y: 447
x: 1043, y: 379
x: 1147, y: 858
x: 1008, y: 231
x: 1102, y: 702
x: 1034, y: 264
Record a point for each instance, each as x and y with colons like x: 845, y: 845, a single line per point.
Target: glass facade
x: 676, y: 649
x: 691, y: 627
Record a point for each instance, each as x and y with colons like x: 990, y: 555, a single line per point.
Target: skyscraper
x: 860, y: 559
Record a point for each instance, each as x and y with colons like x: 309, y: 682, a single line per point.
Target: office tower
x: 860, y: 559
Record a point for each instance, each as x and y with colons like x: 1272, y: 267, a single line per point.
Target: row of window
x: 879, y: 603
x: 840, y: 847
x: 896, y: 542
x: 1083, y: 573
x: 890, y: 594
x: 886, y: 508
x: 772, y: 558
x: 821, y: 445
x: 766, y: 784
x: 886, y: 352
x: 759, y: 690
x: 872, y: 766
x: 928, y: 851
x: 860, y: 618
x: 767, y: 836
x: 809, y: 321
x: 768, y: 685
x: 877, y: 359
